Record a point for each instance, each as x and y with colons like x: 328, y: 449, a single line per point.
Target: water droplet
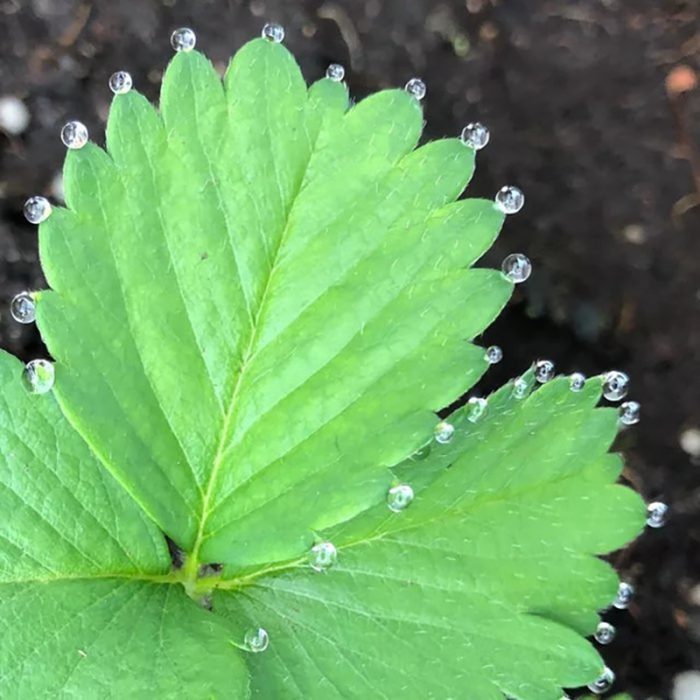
x: 516, y: 267
x: 494, y: 355
x: 273, y: 32
x: 475, y: 135
x: 577, y: 381
x: 256, y: 640
x: 37, y: 209
x: 421, y: 453
x: 322, y: 556
x: 615, y: 385
x: 509, y: 199
x: 416, y: 88
x: 120, y: 82
x: 625, y: 593
x: 544, y: 371
x: 22, y: 308
x: 657, y: 514
x: 74, y: 135
x: 476, y: 409
x: 399, y: 497
x: 630, y: 412
x: 605, y: 633
x: 444, y: 432
x: 39, y: 376
x: 603, y: 683
x: 183, y: 39
x: 335, y: 72
x: 520, y: 388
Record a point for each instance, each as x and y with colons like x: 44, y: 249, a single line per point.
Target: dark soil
x: 576, y: 98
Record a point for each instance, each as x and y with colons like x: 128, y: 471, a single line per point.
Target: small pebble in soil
x: 335, y: 72
x: 544, y: 371
x: 74, y: 135
x: 273, y: 32
x: 494, y: 354
x: 630, y: 413
x: 323, y: 556
x: 475, y: 135
x: 657, y: 514
x: 577, y: 381
x: 625, y: 593
x: 615, y: 385
x: 476, y: 409
x: 120, y: 82
x: 516, y: 267
x: 14, y: 115
x: 256, y: 640
x: 444, y: 432
x: 22, y: 308
x: 37, y: 209
x: 183, y: 39
x: 605, y: 633
x: 416, y: 88
x: 603, y: 683
x: 399, y: 497
x: 39, y: 376
x: 510, y: 200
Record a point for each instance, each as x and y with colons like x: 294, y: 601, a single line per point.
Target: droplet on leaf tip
x: 335, y: 72
x: 493, y: 355
x: 605, y: 633
x: 120, y: 82
x: 657, y: 514
x: 183, y: 39
x: 416, y: 88
x: 37, y: 209
x: 625, y: 593
x: 444, y: 432
x: 476, y: 409
x: 630, y: 413
x: 509, y: 199
x: 520, y: 388
x: 544, y: 371
x: 256, y: 640
x: 615, y: 385
x: 516, y: 267
x: 273, y: 32
x: 603, y: 683
x: 475, y: 135
x: 74, y: 135
x: 323, y: 556
x: 23, y: 308
x: 39, y: 376
x: 399, y: 497
x: 577, y: 381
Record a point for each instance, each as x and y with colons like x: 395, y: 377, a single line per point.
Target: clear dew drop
x: 335, y: 72
x: 421, y: 453
x: 23, y: 308
x: 273, y: 32
x: 577, y: 381
x: 476, y: 409
x: 183, y: 39
x: 399, y: 497
x: 120, y: 82
x: 37, y: 209
x: 493, y: 355
x: 416, y: 88
x: 625, y: 593
x: 516, y: 267
x: 520, y: 388
x: 510, y: 200
x: 39, y: 376
x: 322, y: 556
x: 605, y: 633
x: 74, y: 135
x: 544, y: 371
x: 630, y: 413
x: 615, y: 385
x: 444, y: 432
x: 603, y: 683
x: 256, y: 640
x: 657, y: 514
x: 475, y: 135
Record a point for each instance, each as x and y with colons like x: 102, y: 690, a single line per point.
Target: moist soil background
x: 587, y: 116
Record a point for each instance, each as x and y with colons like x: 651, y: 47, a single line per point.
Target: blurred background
x: 594, y: 111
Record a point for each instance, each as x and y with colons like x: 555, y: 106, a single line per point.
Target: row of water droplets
x: 39, y: 374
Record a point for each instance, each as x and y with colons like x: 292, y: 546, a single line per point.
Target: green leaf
x: 273, y: 315
x: 259, y: 299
